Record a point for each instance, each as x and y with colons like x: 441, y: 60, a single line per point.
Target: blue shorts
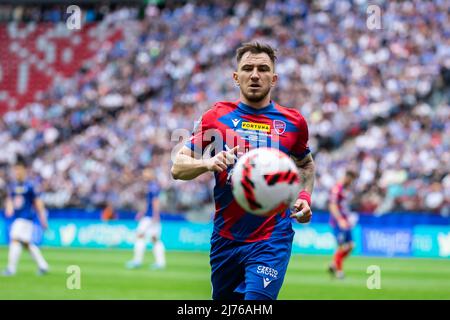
x: 238, y: 268
x: 342, y: 236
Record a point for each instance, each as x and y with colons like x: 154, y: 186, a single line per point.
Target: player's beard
x: 256, y: 97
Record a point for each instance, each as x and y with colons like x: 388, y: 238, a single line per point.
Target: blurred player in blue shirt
x: 149, y: 226
x: 22, y: 203
x: 341, y: 222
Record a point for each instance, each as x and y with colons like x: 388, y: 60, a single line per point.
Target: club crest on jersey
x: 279, y: 126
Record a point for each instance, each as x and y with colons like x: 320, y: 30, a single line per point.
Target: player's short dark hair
x: 20, y: 161
x: 351, y: 173
x: 255, y: 48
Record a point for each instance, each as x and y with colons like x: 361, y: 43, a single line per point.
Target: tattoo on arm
x: 307, y: 171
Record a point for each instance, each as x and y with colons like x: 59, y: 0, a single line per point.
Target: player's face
x: 349, y: 181
x: 20, y: 172
x: 255, y: 76
x: 149, y: 175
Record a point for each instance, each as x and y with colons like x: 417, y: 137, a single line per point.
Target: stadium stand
x: 376, y: 100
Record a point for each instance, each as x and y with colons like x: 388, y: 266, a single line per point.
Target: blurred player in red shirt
x: 342, y: 222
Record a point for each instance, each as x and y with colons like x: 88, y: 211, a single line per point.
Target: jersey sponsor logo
x: 267, y: 271
x: 268, y: 274
x: 279, y: 126
x: 255, y: 126
x: 235, y: 122
x: 20, y: 189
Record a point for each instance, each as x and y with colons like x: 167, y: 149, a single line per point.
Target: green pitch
x: 103, y: 276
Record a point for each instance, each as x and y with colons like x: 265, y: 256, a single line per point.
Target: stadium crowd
x: 376, y: 100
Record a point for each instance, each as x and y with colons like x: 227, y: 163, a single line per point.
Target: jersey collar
x: 248, y: 109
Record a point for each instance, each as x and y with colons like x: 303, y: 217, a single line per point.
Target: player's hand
x: 139, y: 216
x: 222, y: 160
x: 44, y: 225
x: 343, y: 224
x: 301, y: 211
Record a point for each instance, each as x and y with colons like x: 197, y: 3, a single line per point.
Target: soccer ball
x: 265, y: 181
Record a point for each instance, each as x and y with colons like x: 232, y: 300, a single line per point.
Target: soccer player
x: 249, y: 254
x: 149, y: 226
x: 340, y: 220
x: 22, y: 203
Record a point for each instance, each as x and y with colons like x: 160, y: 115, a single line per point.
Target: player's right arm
x: 42, y: 213
x: 187, y: 167
x: 189, y: 162
x: 9, y: 207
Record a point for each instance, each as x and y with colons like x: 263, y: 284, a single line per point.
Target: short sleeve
x: 35, y: 191
x: 301, y: 148
x: 202, y: 134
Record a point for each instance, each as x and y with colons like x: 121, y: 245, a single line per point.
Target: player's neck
x: 256, y: 105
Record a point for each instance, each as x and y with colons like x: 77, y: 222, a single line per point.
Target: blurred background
x: 90, y: 109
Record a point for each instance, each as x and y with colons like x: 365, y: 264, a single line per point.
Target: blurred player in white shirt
x: 149, y: 226
x: 22, y: 203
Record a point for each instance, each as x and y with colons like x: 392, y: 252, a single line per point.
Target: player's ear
x: 236, y: 78
x: 274, y: 80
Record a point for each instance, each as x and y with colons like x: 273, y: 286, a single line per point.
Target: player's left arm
x: 305, y: 164
x: 9, y: 204
x: 140, y: 215
x: 306, y: 168
x: 42, y: 212
x: 156, y: 209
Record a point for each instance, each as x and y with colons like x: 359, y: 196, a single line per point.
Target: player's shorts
x: 342, y: 236
x: 21, y: 230
x: 149, y: 228
x: 241, y: 267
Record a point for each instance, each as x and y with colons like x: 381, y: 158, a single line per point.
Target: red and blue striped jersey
x: 339, y: 197
x: 228, y: 124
